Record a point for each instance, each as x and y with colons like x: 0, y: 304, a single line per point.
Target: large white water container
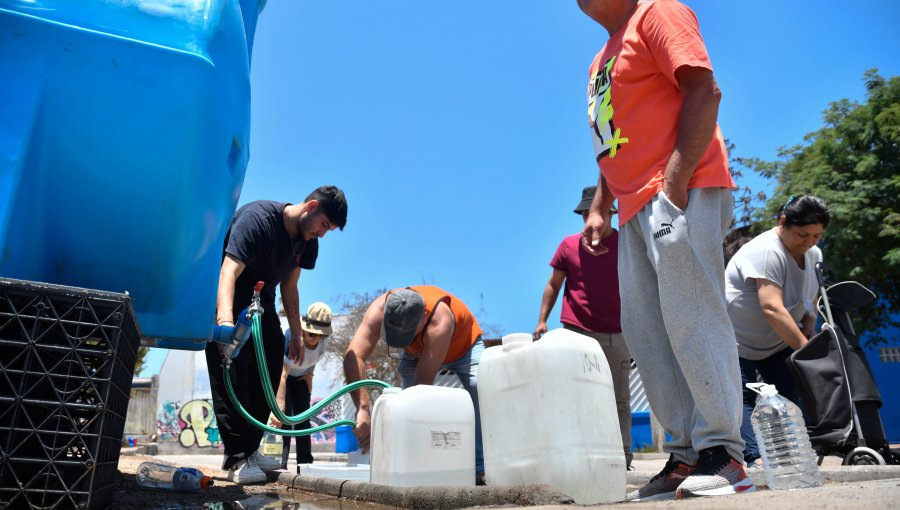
x: 548, y: 416
x: 423, y: 436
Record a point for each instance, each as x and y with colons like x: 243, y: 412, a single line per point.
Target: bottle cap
x: 206, y: 482
x: 763, y: 388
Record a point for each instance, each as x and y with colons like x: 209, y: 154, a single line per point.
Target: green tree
x: 746, y: 203
x: 853, y: 163
x: 139, y: 360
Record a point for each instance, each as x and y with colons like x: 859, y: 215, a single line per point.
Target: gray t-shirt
x: 766, y: 257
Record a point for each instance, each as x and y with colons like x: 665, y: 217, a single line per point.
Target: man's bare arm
x: 696, y: 125
x: 361, y: 347
x: 228, y: 275
x: 290, y: 299
x: 548, y: 301
x: 597, y: 218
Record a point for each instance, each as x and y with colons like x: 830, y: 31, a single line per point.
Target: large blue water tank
x: 124, y: 130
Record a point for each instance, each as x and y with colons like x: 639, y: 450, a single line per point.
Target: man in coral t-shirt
x: 652, y: 108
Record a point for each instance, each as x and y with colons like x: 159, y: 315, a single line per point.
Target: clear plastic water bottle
x: 272, y: 446
x: 787, y: 455
x: 162, y: 476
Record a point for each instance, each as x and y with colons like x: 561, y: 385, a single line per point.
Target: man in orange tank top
x: 436, y: 330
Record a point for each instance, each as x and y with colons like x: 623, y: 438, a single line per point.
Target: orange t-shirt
x: 466, y: 331
x: 634, y: 104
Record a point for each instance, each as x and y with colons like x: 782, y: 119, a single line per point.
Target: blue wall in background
x: 885, y: 362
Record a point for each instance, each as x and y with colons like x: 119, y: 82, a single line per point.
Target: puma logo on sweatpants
x: 666, y: 229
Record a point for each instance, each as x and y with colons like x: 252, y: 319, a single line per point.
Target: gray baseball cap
x: 403, y: 310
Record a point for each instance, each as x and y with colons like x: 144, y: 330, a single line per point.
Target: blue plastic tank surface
x: 124, y: 129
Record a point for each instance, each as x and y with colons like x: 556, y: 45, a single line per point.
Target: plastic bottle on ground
x: 787, y: 455
x: 162, y: 476
x: 272, y: 446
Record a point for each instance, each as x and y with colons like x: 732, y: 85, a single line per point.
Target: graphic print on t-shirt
x: 606, y: 137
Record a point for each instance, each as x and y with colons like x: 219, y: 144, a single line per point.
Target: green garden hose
x: 256, y: 330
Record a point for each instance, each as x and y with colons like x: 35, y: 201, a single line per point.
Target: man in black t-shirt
x: 269, y: 242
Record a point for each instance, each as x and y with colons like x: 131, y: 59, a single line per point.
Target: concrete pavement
x: 869, y: 487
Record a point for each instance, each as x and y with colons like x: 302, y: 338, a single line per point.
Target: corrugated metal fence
x: 141, y: 418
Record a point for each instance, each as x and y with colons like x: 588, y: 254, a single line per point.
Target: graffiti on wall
x: 200, y: 425
x: 192, y: 424
x: 167, y: 420
x: 328, y: 414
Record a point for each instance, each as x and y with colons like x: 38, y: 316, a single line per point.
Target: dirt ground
x: 129, y: 494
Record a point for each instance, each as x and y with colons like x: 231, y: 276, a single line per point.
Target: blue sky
x: 458, y: 130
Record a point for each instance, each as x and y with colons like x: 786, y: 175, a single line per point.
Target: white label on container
x: 272, y: 450
x: 445, y: 440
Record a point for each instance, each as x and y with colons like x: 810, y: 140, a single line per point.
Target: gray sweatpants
x: 672, y: 285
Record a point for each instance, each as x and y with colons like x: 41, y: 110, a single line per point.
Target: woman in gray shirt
x: 770, y: 286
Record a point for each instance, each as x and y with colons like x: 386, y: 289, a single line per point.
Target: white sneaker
x: 266, y: 462
x: 246, y: 472
x: 716, y: 474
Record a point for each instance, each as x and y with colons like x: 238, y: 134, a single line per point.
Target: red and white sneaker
x: 716, y: 474
x: 663, y: 485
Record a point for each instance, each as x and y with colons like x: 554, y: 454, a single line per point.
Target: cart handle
x: 820, y: 276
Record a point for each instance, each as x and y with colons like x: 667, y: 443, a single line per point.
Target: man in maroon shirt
x: 591, y: 306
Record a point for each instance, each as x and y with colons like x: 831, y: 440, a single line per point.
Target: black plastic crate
x: 66, y: 366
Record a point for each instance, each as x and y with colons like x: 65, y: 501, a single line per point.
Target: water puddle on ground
x: 279, y: 501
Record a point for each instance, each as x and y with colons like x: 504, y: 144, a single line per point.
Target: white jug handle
x: 517, y: 338
x: 756, y: 387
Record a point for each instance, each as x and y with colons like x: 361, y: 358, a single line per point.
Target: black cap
x: 587, y: 196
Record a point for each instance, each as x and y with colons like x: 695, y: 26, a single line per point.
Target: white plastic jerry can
x: 548, y: 416
x: 423, y: 436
